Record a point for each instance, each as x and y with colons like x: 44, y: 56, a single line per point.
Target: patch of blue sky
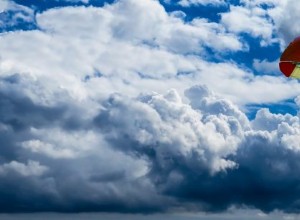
x: 245, y: 58
x: 209, y: 11
x: 255, y: 51
x: 96, y: 74
x: 197, y: 11
x: 44, y: 5
x: 16, y: 20
x: 285, y: 107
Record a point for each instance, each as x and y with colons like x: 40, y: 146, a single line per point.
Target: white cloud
x: 37, y: 146
x: 4, y: 5
x: 265, y: 120
x: 117, y: 35
x: 149, y: 48
x: 284, y: 16
x: 154, y: 27
x: 57, y: 143
x: 251, y: 20
x: 93, y: 37
x: 188, y: 3
x: 284, y: 129
x: 32, y: 168
x: 270, y: 20
x: 266, y: 67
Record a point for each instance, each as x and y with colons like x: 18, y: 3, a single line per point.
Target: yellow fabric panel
x: 296, y: 72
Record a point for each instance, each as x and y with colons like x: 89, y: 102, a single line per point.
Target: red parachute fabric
x: 287, y: 68
x: 290, y: 57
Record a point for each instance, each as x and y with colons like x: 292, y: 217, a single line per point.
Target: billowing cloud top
x: 132, y: 106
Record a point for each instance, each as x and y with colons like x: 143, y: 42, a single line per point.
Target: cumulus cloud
x: 269, y: 20
x: 156, y: 46
x: 172, y: 130
x: 284, y: 15
x: 153, y: 27
x: 252, y: 20
x: 155, y: 149
x: 87, y: 123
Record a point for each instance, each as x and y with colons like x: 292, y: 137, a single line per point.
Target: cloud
x: 172, y: 130
x: 33, y: 168
x: 252, y: 20
x: 284, y: 15
x: 38, y: 146
x: 269, y: 20
x: 106, y: 35
x: 222, y: 160
x: 89, y: 122
x: 155, y: 149
x: 3, y: 6
x: 266, y: 67
x: 189, y: 3
x: 151, y: 27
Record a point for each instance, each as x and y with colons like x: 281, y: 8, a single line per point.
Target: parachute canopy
x: 290, y: 60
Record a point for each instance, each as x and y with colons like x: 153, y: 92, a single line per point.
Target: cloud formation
x: 106, y: 35
x: 154, y: 149
x: 101, y: 110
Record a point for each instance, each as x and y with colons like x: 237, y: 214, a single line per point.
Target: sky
x: 147, y: 109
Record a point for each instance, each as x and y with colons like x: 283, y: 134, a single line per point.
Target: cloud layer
x: 127, y: 108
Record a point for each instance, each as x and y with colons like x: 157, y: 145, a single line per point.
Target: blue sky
x: 165, y: 108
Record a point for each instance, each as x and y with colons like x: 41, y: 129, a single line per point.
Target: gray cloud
x: 254, y: 167
x: 151, y: 153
